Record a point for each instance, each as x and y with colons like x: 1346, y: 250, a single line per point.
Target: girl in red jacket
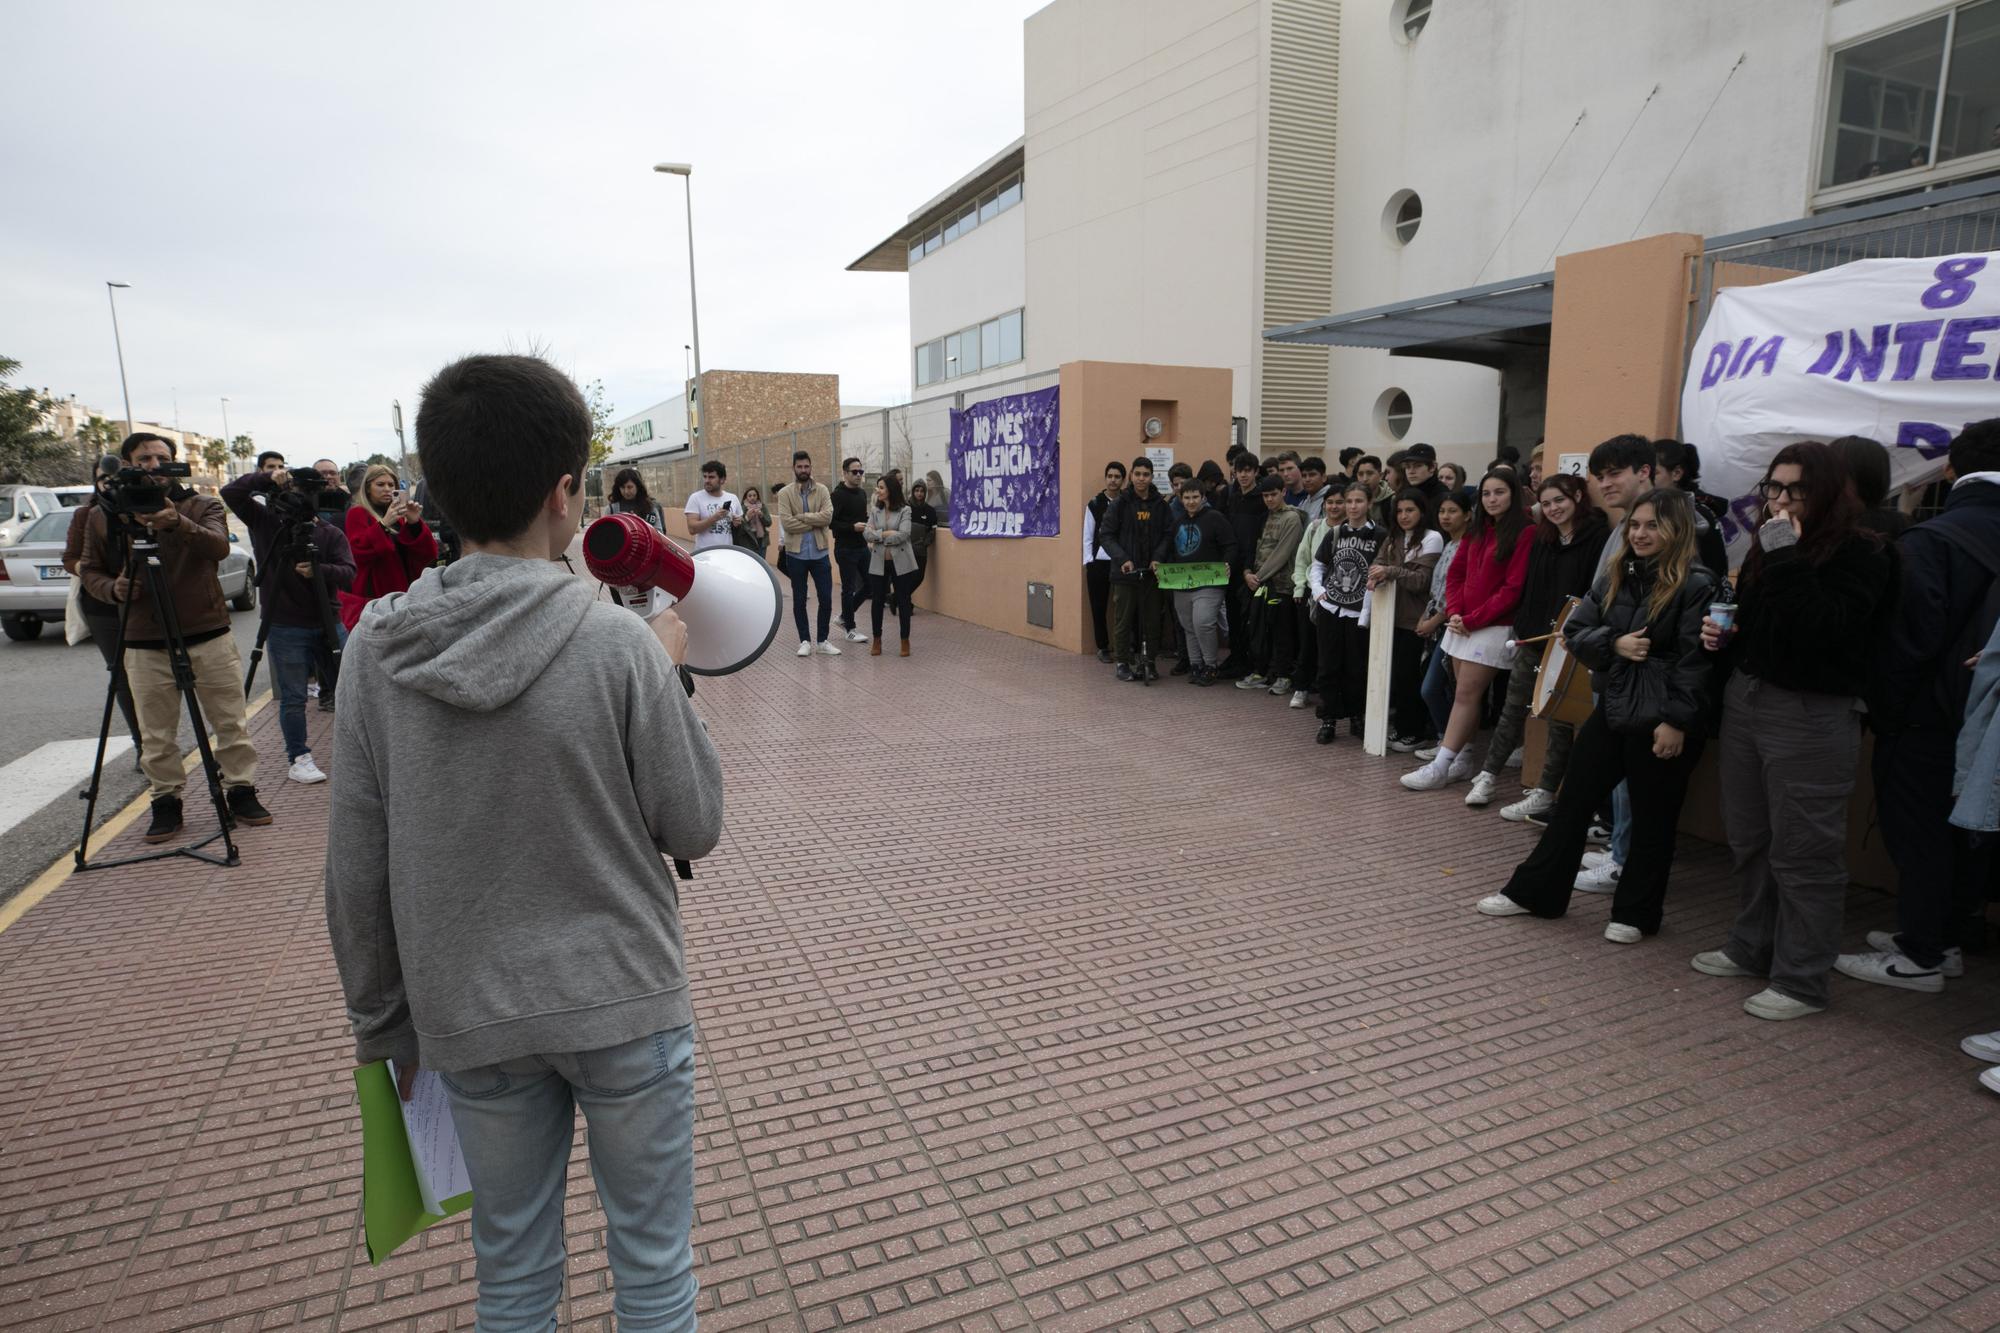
x: 1482, y: 590
x: 392, y: 547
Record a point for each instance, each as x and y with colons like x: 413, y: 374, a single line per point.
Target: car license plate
x: 50, y: 573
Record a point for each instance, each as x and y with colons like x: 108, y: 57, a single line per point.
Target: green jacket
x: 1303, y: 559
x: 1277, y: 550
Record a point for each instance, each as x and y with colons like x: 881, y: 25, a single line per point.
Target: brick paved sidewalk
x: 1065, y: 1004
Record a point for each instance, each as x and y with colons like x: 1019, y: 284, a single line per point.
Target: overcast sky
x: 318, y: 206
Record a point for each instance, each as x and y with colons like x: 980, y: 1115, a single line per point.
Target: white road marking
x: 56, y: 770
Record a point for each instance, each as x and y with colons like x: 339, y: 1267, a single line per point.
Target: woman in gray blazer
x: 888, y: 537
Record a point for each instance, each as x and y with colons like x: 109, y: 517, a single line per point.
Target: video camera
x: 134, y: 490
x: 309, y: 496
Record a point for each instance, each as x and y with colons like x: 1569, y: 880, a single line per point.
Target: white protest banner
x: 1899, y: 350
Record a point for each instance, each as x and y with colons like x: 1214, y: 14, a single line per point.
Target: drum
x: 1562, y: 684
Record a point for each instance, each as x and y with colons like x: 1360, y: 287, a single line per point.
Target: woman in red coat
x: 1481, y: 593
x: 392, y: 547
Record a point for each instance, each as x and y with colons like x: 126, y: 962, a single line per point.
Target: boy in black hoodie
x: 1200, y: 537
x: 1133, y: 527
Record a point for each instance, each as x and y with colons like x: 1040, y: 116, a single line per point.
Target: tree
x: 242, y: 449
x: 99, y: 438
x: 214, y: 453
x: 602, y: 433
x: 29, y: 451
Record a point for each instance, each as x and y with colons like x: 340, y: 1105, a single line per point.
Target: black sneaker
x: 243, y: 805
x: 166, y: 819
x: 1202, y: 677
x: 1325, y: 736
x: 1180, y: 668
x: 1152, y: 672
x: 1104, y: 656
x: 1125, y: 672
x: 326, y: 703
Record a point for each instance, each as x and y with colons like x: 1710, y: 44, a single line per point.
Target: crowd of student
x: 1842, y: 615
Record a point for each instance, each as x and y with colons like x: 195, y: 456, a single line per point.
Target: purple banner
x: 1003, y: 468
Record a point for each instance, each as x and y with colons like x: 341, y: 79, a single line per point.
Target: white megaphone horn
x: 727, y: 595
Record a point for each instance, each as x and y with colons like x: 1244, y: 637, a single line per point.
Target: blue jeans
x: 821, y: 572
x: 1621, y: 824
x: 1439, y: 690
x: 515, y: 1120
x: 293, y: 650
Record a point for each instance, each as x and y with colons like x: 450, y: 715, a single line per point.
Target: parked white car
x: 20, y: 506
x: 34, y: 586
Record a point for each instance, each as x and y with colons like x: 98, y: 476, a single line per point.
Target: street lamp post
x: 686, y: 172
x: 227, y: 438
x: 110, y: 291
x: 396, y: 420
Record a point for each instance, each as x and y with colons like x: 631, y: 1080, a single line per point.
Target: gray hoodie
x: 513, y: 759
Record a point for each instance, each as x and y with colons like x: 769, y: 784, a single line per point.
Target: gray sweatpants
x: 1200, y: 613
x: 1787, y: 769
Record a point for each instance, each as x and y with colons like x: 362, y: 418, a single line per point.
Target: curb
x: 58, y: 873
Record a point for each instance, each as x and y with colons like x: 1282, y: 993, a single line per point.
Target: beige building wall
x: 1179, y: 175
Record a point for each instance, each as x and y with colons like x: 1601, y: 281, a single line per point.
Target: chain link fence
x: 915, y: 437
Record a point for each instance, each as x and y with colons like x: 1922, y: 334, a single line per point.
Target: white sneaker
x: 1884, y: 941
x: 1989, y: 1079
x: 1282, y: 685
x: 1536, y: 802
x: 856, y: 636
x: 304, y: 770
x: 312, y: 689
x: 1298, y: 698
x: 1716, y: 963
x: 1463, y: 767
x: 1516, y: 759
x: 1604, y: 879
x: 1778, y: 1006
x: 1619, y: 933
x: 1599, y: 834
x: 1889, y: 968
x: 1499, y: 904
x: 1483, y: 787
x: 805, y: 649
x: 1430, y: 777
x: 1985, y: 1046
x: 1425, y: 753
x: 826, y: 649
x: 1253, y: 681
x: 1592, y: 860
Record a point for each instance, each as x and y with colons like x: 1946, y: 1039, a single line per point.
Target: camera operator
x: 298, y: 546
x: 102, y: 617
x: 193, y: 535
x: 335, y: 498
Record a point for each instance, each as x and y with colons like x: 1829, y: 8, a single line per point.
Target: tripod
x: 144, y: 549
x: 329, y: 626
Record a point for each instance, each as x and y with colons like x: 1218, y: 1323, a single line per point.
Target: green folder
x: 1179, y: 577
x: 395, y: 1180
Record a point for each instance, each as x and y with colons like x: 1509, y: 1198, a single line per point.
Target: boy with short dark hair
x: 534, y: 969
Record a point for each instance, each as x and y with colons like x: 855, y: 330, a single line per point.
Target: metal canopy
x: 1498, y: 312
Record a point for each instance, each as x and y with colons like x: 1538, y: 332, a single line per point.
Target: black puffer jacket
x: 1558, y: 570
x: 1675, y: 683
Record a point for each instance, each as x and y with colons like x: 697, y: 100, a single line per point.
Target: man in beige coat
x: 805, y: 510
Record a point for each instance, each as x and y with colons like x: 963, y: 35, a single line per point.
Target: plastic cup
x: 1723, y: 614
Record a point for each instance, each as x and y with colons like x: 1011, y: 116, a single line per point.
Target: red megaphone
x: 727, y: 595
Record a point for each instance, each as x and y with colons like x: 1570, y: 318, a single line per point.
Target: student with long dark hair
x: 1407, y: 559
x: 1868, y: 473
x: 1809, y: 605
x: 892, y: 565
x: 1454, y: 515
x: 1481, y: 593
x: 628, y: 496
x: 1641, y: 629
x: 1569, y: 536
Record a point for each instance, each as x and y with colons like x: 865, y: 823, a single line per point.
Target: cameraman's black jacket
x: 288, y: 598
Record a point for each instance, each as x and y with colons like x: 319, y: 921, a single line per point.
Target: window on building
x: 1404, y: 215
x: 987, y: 207
x: 996, y: 342
x: 1411, y: 16
x: 1010, y: 337
x: 1393, y: 412
x: 1884, y: 112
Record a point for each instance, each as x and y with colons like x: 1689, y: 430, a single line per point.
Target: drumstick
x: 1539, y: 638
